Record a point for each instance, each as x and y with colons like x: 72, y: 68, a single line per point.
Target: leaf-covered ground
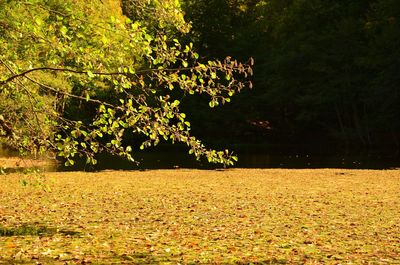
x: 213, y: 217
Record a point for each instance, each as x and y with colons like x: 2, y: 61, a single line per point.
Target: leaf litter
x: 239, y: 216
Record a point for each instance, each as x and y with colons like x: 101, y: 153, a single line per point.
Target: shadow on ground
x: 34, y: 230
x: 134, y: 258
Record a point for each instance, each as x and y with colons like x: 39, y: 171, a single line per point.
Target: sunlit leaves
x: 86, y: 56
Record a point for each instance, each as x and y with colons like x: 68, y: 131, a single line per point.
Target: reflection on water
x: 177, y: 157
x: 169, y: 157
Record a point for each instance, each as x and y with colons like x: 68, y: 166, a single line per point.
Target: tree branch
x: 99, y: 102
x: 55, y: 69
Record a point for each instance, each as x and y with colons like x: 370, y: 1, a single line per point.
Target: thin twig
x: 99, y: 102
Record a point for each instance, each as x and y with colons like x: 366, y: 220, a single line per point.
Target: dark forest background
x: 325, y: 71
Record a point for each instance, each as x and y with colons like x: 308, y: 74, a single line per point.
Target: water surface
x: 170, y: 157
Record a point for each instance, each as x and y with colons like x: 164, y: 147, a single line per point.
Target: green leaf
x: 176, y: 103
x: 90, y: 74
x: 64, y: 30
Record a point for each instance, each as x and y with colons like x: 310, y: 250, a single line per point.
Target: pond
x: 169, y: 157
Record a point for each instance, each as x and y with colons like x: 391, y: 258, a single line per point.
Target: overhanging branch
x: 23, y: 74
x: 54, y: 69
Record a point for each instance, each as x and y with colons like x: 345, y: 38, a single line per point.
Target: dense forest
x: 326, y: 71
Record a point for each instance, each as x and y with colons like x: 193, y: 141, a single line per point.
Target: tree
x: 325, y: 69
x: 131, y: 77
